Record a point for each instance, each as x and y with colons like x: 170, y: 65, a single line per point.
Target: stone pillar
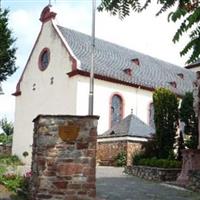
x: 196, y: 94
x: 191, y: 161
x: 64, y: 158
x: 191, y: 157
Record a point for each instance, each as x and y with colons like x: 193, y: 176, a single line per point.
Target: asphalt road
x: 112, y: 184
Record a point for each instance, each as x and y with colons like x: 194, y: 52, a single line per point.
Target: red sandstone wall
x: 108, y: 151
x: 133, y: 148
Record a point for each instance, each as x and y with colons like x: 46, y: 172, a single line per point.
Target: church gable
x: 51, y: 57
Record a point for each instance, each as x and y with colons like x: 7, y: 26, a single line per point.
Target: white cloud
x: 141, y: 32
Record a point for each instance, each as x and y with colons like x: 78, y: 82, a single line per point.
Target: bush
x: 10, y: 160
x: 11, y: 181
x: 121, y: 159
x: 166, y: 121
x: 136, y: 158
x: 4, y: 139
x: 162, y: 163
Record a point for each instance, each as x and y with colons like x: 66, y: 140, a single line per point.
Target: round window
x: 44, y: 59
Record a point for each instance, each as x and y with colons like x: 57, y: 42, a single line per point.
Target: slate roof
x: 130, y: 126
x: 112, y: 59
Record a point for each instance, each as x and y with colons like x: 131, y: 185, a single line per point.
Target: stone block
x: 64, y: 169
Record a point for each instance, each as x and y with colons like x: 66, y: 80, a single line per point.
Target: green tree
x: 187, y: 115
x: 7, y: 50
x: 166, y: 121
x: 185, y: 11
x: 6, y: 126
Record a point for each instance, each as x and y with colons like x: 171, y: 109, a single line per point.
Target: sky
x: 142, y: 32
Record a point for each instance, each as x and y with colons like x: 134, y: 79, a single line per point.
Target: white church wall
x: 47, y: 98
x: 133, y: 98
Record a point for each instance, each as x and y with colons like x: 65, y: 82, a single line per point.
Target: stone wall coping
x: 158, y: 168
x: 153, y: 173
x: 66, y: 116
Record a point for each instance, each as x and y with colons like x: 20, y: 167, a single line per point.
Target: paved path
x: 112, y: 184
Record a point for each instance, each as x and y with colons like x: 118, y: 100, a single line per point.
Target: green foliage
x: 24, y: 190
x: 4, y: 139
x: 187, y: 115
x: 10, y: 160
x: 121, y: 159
x: 136, y: 158
x: 6, y: 126
x: 11, y: 181
x: 162, y: 163
x: 166, y: 121
x: 7, y: 51
x: 185, y: 10
x: 150, y: 148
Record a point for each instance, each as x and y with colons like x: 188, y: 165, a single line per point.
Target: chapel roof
x: 130, y: 126
x: 128, y: 66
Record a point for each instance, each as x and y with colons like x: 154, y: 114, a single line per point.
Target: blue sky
x: 142, y: 32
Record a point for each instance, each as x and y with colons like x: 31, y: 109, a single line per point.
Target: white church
x: 55, y: 81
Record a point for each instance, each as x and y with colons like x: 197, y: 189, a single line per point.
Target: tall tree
x: 187, y: 11
x: 187, y: 115
x: 6, y: 126
x: 166, y: 121
x: 7, y: 49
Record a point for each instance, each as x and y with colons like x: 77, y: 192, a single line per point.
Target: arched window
x: 151, y: 115
x: 116, y: 109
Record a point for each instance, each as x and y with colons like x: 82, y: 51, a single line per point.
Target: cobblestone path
x: 112, y: 184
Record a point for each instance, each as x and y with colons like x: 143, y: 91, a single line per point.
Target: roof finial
x: 49, y: 2
x: 131, y: 111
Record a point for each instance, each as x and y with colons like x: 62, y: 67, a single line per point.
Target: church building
x: 55, y: 81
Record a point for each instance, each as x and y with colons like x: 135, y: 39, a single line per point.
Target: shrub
x: 4, y: 139
x: 166, y: 121
x: 162, y: 163
x: 187, y: 115
x: 136, y: 158
x: 10, y: 160
x: 11, y: 181
x: 121, y: 159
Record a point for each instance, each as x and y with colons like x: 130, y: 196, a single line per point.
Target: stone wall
x: 64, y: 158
x: 133, y: 148
x: 153, y: 173
x: 108, y: 151
x: 5, y: 149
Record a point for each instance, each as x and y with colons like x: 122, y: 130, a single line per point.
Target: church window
x: 151, y: 115
x: 116, y: 109
x: 44, y: 59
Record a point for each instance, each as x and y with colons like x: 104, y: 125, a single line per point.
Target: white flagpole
x: 91, y: 92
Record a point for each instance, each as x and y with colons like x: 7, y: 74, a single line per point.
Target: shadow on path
x: 112, y: 184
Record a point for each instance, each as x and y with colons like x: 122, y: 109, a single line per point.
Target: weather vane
x: 50, y: 2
